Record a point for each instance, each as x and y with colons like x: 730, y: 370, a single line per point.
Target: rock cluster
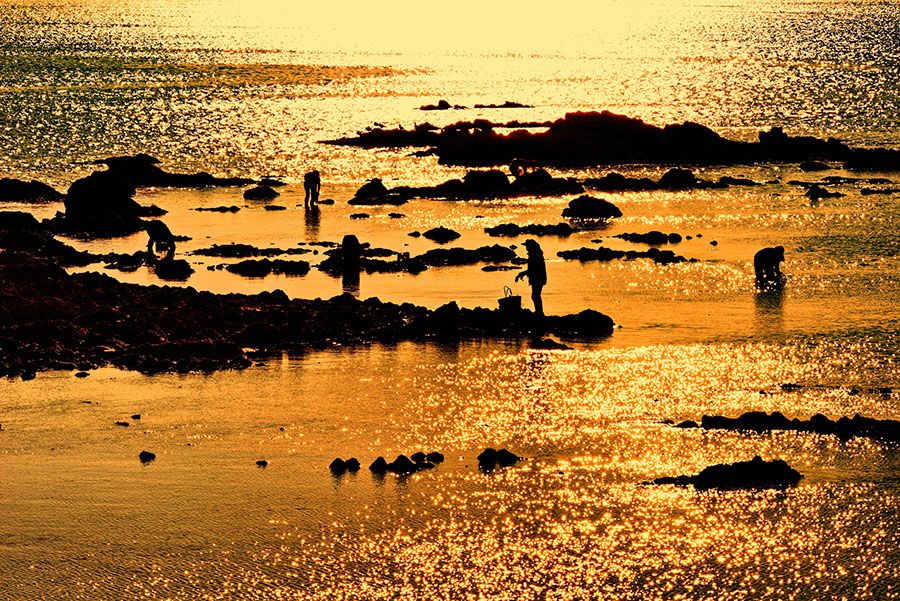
x: 758, y: 421
x: 535, y: 229
x: 492, y: 458
x: 403, y: 465
x: 602, y: 253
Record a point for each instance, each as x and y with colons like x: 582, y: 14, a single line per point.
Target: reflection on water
x: 770, y: 310
x: 570, y: 521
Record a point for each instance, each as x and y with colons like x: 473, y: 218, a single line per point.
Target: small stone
x: 146, y: 456
x: 262, y: 463
x: 338, y: 466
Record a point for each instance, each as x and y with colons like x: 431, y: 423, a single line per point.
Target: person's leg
x: 536, y: 299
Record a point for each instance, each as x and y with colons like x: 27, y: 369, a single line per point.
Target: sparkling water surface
x: 251, y: 89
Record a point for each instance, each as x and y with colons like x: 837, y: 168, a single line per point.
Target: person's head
x: 532, y: 246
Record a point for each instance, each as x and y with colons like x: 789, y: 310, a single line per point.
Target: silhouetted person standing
x: 311, y: 184
x: 536, y: 272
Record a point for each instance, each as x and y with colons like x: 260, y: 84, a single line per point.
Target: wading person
x: 536, y: 272
x: 311, y: 184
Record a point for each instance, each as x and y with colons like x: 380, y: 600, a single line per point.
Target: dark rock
x: 653, y: 237
x: 434, y: 457
x: 260, y: 193
x: 136, y: 416
x: 678, y: 179
x: 506, y: 105
x: 588, y: 207
x: 442, y: 105
x: 352, y: 464
x: 123, y: 424
x: 688, y: 423
x: 274, y: 208
x: 375, y: 193
x: 402, y: 465
x: 220, y: 209
x: 616, y: 182
x: 379, y: 466
x: 261, y: 268
x: 586, y: 324
x: 338, y: 466
x: 33, y: 192
x: 262, y: 463
x: 511, y: 229
x: 146, y: 456
x: 441, y: 235
x: 359, y: 216
x: 814, y: 166
x: 418, y: 457
x: 173, y: 270
x: 271, y: 182
x: 662, y: 257
x: 743, y: 474
x: 82, y: 374
x: 815, y: 192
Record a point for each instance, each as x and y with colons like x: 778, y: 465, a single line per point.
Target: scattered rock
x: 491, y: 458
x: 601, y: 253
x: 220, y: 209
x: 136, y: 416
x: 262, y: 463
x: 146, y: 456
x: 260, y: 193
x: 512, y: 229
x: 359, y: 216
x: 548, y: 344
x: 123, y: 424
x: 33, y: 192
x: 338, y: 466
x: 814, y: 166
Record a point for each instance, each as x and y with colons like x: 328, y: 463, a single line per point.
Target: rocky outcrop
x: 261, y: 193
x: 585, y: 139
x: 32, y: 192
x: 755, y: 473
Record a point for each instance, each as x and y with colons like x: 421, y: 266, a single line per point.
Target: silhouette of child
x: 311, y: 184
x: 536, y: 272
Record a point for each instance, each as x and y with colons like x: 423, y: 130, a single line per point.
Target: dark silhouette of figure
x: 311, y: 184
x: 351, y: 250
x: 766, y: 265
x: 162, y: 237
x: 536, y: 272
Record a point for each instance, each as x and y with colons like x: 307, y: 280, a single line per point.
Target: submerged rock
x: 653, y: 237
x: 512, y: 229
x: 146, y: 456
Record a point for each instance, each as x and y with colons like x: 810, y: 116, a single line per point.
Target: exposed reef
x: 585, y: 139
x: 743, y: 474
x: 50, y: 319
x: 758, y: 421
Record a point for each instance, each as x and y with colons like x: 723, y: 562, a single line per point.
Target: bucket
x: 509, y: 302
